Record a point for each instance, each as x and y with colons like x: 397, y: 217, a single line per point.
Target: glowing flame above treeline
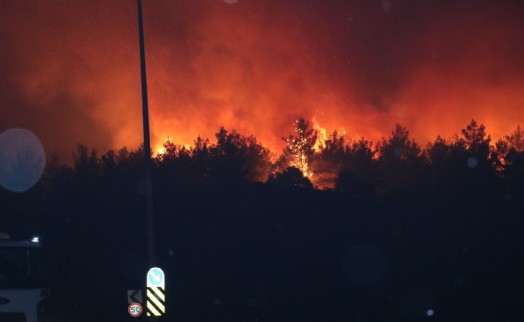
x: 322, y: 157
x: 71, y: 70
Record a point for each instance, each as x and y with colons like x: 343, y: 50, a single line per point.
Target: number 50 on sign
x: 135, y: 309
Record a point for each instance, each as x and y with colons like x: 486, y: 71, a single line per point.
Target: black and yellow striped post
x: 156, y: 301
x: 156, y: 292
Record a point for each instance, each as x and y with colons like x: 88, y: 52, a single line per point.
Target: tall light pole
x: 150, y: 220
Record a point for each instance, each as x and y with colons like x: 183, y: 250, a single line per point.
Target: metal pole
x: 147, y: 147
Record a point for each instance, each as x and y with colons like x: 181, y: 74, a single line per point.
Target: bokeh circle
x: 22, y: 159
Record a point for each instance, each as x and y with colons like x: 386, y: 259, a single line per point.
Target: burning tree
x: 299, y: 151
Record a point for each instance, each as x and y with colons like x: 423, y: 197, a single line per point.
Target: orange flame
x: 161, y: 149
x: 228, y: 67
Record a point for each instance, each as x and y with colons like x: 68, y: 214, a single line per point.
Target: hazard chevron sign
x: 134, y: 296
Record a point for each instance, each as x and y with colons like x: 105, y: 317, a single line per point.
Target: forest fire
x: 213, y: 64
x: 320, y: 143
x: 162, y: 148
x: 300, y: 147
x: 323, y: 136
x: 311, y: 160
x: 160, y: 151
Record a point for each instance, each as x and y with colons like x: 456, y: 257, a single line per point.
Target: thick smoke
x: 71, y: 72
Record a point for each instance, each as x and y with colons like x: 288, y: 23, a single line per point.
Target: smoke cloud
x: 71, y: 68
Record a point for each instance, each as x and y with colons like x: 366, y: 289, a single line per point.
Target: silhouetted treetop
x: 398, y: 146
x: 290, y: 179
x: 393, y: 162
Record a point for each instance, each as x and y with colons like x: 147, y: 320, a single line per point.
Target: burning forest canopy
x: 70, y: 69
x: 312, y: 158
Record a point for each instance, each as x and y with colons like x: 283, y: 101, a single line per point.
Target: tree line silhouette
x: 342, y: 164
x: 245, y: 235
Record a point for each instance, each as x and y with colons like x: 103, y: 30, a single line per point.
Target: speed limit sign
x: 135, y: 309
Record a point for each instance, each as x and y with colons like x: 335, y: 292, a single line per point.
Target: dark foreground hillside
x: 416, y: 240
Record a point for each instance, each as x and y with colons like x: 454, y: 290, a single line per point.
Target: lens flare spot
x: 417, y: 303
x: 472, y: 162
x: 22, y: 159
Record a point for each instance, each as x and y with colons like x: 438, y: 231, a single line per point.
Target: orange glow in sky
x: 71, y: 69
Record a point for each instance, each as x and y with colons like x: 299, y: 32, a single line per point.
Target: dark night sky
x: 71, y: 71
